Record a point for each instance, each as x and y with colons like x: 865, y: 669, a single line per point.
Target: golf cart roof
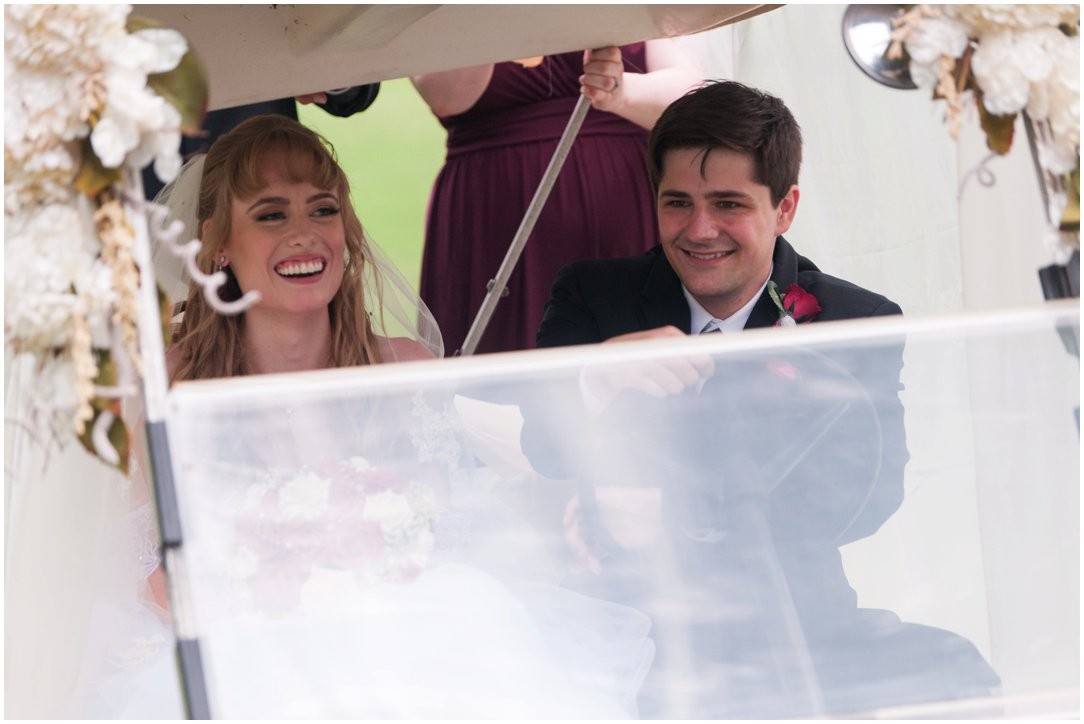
x: 260, y: 52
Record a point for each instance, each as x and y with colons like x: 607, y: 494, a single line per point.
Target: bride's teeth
x: 301, y: 268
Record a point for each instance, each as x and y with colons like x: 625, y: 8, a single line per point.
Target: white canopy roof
x: 260, y: 52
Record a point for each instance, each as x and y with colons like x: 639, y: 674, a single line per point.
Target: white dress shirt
x: 700, y: 318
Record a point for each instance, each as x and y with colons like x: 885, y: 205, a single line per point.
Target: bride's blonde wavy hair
x: 208, y: 344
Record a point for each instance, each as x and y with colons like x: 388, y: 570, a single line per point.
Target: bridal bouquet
x: 91, y: 96
x: 1006, y: 60
x: 374, y: 522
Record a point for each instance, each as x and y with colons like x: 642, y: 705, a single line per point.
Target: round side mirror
x: 867, y: 31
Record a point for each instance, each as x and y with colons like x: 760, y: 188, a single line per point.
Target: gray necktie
x: 711, y: 327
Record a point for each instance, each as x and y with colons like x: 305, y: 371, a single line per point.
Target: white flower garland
x: 76, y: 97
x: 1023, y: 60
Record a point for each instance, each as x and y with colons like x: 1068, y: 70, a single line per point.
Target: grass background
x: 391, y: 152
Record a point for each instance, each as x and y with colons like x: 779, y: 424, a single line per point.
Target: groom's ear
x: 786, y: 209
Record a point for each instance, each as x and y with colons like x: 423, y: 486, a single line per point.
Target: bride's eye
x: 270, y: 216
x: 329, y: 210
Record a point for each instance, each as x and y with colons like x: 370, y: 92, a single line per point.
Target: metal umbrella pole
x: 495, y: 289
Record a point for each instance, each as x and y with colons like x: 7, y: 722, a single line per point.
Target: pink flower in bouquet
x: 350, y: 516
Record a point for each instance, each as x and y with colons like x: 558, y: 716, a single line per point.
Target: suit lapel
x: 784, y: 273
x: 663, y: 300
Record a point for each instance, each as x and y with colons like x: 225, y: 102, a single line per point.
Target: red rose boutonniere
x: 796, y: 305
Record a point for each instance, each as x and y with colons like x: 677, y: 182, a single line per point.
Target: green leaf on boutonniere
x: 773, y: 292
x: 998, y: 129
x: 184, y: 87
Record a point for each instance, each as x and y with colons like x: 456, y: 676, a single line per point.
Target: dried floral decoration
x: 89, y: 100
x: 1008, y: 59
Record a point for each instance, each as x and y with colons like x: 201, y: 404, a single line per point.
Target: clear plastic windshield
x: 867, y: 519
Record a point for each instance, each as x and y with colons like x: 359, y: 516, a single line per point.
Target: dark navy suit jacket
x: 716, y: 453
x: 592, y: 301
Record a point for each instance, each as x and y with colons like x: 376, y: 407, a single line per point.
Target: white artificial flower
x: 164, y: 147
x: 159, y: 49
x: 981, y: 19
x: 95, y: 289
x: 304, y: 497
x: 68, y: 68
x: 924, y: 75
x: 928, y: 41
x: 112, y: 138
x: 934, y: 37
x: 52, y: 394
x: 44, y: 254
x: 1057, y: 101
x: 48, y: 35
x: 390, y: 510
x: 998, y: 67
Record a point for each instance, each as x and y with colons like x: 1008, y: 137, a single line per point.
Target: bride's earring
x: 222, y: 262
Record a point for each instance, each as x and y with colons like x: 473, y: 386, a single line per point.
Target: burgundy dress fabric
x: 601, y: 204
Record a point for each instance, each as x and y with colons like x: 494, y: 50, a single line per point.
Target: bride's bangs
x: 299, y: 158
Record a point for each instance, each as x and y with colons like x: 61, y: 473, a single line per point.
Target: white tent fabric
x: 889, y: 199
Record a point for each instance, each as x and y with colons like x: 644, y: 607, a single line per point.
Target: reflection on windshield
x: 491, y: 544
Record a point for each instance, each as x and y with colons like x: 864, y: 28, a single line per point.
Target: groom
x: 724, y: 160
x: 766, y: 461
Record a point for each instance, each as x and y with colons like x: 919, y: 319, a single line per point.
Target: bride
x: 331, y: 572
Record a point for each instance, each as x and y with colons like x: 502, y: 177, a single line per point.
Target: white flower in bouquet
x: 391, y: 510
x: 304, y: 497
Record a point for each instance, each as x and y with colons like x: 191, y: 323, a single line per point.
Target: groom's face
x: 718, y: 225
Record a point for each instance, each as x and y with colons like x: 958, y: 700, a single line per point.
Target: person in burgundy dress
x: 504, y: 121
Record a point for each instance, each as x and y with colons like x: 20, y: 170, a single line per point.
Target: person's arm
x: 451, y: 92
x: 639, y: 97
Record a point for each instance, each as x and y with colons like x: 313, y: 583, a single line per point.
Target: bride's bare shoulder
x: 402, y: 349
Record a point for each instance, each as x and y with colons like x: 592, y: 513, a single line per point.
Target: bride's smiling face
x: 287, y: 241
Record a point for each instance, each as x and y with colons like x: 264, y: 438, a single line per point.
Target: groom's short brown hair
x: 727, y: 114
